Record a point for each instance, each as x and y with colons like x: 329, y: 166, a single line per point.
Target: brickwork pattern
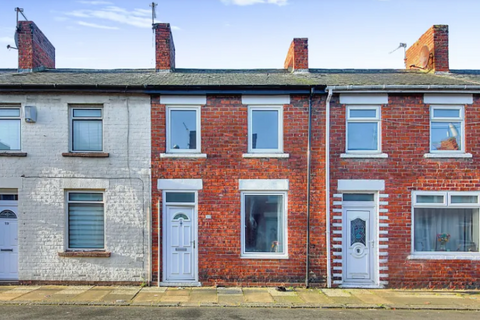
x: 297, y: 56
x: 164, y: 47
x: 35, y: 52
x: 436, y: 40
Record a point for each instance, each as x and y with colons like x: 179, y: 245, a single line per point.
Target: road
x: 11, y: 312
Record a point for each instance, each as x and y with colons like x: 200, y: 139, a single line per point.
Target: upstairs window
x: 86, y: 129
x: 363, y: 129
x: 183, y: 129
x: 9, y: 128
x: 446, y: 129
x: 265, y: 129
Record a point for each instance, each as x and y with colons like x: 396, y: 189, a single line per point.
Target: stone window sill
x: 85, y: 254
x: 445, y: 256
x: 86, y: 154
x: 364, y: 156
x: 183, y: 155
x: 447, y: 155
x: 13, y: 154
x: 266, y: 155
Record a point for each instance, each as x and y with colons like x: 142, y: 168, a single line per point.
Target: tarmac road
x: 17, y: 312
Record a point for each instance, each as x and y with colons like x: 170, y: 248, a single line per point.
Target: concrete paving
x: 241, y: 297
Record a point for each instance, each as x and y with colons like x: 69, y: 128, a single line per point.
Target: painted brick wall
x: 405, y: 135
x: 224, y: 140
x: 45, y: 175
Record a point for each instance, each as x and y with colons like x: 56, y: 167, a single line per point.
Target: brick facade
x: 35, y: 52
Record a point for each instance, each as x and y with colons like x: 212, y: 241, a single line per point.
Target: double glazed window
x: 85, y: 220
x: 86, y: 129
x: 265, y: 129
x: 183, y: 129
x: 9, y: 128
x: 446, y: 129
x: 446, y: 221
x: 363, y: 129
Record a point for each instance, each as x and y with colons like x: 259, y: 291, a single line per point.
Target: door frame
x: 13, y: 203
x: 162, y: 239
x: 375, y: 253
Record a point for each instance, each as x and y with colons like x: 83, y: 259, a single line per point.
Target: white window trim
x: 280, y: 128
x: 19, y: 118
x: 377, y: 119
x: 199, y: 129
x: 67, y: 238
x: 265, y: 255
x: 85, y: 106
x: 441, y: 255
x: 460, y: 119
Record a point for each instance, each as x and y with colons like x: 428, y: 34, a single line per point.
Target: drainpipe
x: 327, y: 186
x: 307, y: 264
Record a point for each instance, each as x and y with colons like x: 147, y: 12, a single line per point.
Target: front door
x: 8, y: 242
x: 359, y: 246
x: 180, y: 244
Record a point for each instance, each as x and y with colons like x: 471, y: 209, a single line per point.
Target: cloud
x: 95, y: 3
x: 138, y: 17
x: 250, y: 2
x: 94, y: 25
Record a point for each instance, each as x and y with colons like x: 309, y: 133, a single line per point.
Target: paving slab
x: 148, y: 297
x: 176, y: 295
x: 95, y: 294
x: 203, y: 295
x: 368, y: 297
x: 41, y: 294
x: 254, y: 295
x: 69, y: 293
x: 154, y: 289
x: 229, y: 291
x: 276, y: 293
x: 335, y: 293
x: 289, y: 300
x: 313, y: 296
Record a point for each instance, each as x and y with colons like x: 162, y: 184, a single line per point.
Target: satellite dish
x: 16, y: 38
x: 424, y: 57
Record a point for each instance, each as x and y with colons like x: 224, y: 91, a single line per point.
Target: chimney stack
x: 35, y: 51
x: 297, y: 56
x: 430, y: 52
x: 164, y: 47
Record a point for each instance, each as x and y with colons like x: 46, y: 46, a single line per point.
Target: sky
x: 243, y: 34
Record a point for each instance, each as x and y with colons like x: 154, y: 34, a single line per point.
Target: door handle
x: 11, y: 250
x: 193, y: 241
x: 372, y: 243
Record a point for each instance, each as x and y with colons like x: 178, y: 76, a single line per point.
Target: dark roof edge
x: 404, y: 88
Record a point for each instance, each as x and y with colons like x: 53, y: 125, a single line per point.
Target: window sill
x: 447, y: 155
x: 86, y: 154
x: 264, y: 257
x: 445, y: 256
x: 13, y: 154
x: 266, y: 155
x: 183, y: 155
x: 85, y: 254
x: 364, y: 155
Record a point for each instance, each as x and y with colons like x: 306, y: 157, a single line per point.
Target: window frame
x: 71, y: 121
x: 377, y: 119
x: 265, y: 255
x: 198, y: 122
x: 15, y: 118
x: 277, y: 108
x: 67, y: 223
x: 460, y: 119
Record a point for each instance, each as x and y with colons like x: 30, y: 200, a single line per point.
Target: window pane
x: 85, y: 226
x: 446, y: 113
x: 363, y: 113
x: 87, y: 135
x: 85, y: 196
x: 180, y: 197
x: 357, y: 197
x: 265, y: 129
x: 9, y: 112
x: 362, y: 136
x: 8, y: 197
x: 429, y: 199
x: 9, y: 134
x: 446, y: 230
x: 464, y: 199
x: 446, y: 135
x: 183, y: 129
x: 264, y: 227
x: 87, y: 112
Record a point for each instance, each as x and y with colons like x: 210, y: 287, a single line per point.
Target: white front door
x: 180, y: 244
x: 359, y: 246
x: 8, y: 242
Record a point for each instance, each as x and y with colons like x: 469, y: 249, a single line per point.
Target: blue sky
x: 243, y: 33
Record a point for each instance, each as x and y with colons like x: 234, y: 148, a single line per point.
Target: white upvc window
x: 183, y: 129
x: 363, y: 129
x: 265, y: 129
x: 85, y: 220
x: 10, y: 125
x: 264, y: 224
x: 86, y: 128
x: 447, y: 129
x: 446, y: 223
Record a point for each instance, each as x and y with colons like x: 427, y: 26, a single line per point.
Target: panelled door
x: 180, y: 244
x: 8, y: 242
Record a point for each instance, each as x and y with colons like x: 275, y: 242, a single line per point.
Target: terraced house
x: 295, y: 176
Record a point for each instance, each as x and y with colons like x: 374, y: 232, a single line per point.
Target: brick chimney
x: 35, y: 51
x: 297, y: 56
x: 164, y: 47
x: 436, y: 41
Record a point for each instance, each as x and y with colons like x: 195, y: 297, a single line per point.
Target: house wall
x: 44, y: 175
x: 405, y: 138
x: 224, y: 132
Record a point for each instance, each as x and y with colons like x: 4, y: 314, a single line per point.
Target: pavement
x: 242, y: 297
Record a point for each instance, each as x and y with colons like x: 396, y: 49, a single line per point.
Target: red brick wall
x: 436, y: 39
x: 34, y: 49
x: 224, y: 140
x: 164, y: 47
x: 297, y: 56
x: 405, y: 138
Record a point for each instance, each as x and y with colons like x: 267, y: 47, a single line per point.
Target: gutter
x: 309, y: 155
x: 407, y: 88
x: 327, y: 186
